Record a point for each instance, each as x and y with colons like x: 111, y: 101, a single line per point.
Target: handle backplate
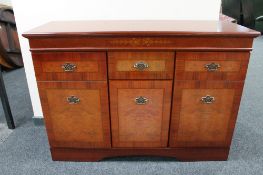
x: 208, y: 99
x: 141, y: 100
x: 69, y: 67
x: 73, y: 100
x: 140, y: 65
x: 211, y: 67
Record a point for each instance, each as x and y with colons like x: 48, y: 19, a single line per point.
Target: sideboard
x: 140, y: 88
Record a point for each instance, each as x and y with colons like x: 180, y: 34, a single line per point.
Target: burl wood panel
x: 82, y: 125
x: 121, y: 65
x: 196, y: 124
x: 136, y: 125
x: 89, y: 66
x: 190, y: 65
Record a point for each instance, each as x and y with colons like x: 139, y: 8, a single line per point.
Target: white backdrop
x: 32, y: 13
x: 5, y: 2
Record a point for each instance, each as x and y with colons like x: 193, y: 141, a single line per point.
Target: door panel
x: 204, y: 113
x: 138, y: 124
x: 76, y: 113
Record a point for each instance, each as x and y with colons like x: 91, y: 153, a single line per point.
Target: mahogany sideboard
x: 151, y: 88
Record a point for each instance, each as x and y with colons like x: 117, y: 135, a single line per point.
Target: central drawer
x: 141, y: 65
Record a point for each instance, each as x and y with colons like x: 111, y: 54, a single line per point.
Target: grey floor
x: 26, y: 150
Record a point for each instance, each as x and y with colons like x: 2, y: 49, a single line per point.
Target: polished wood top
x: 140, y: 28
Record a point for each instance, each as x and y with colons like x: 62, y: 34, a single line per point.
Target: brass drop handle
x: 69, y: 67
x: 207, y: 99
x: 211, y: 67
x: 141, y: 100
x: 73, y: 100
x: 140, y: 65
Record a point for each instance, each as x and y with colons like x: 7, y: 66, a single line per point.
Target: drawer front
x: 211, y: 65
x: 76, y: 114
x: 71, y: 66
x: 140, y: 113
x: 141, y: 65
x: 204, y: 113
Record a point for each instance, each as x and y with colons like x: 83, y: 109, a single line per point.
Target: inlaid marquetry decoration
x: 146, y: 42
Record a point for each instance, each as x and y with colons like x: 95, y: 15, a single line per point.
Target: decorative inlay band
x: 140, y: 42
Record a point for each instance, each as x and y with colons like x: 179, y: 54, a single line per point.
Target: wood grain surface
x: 82, y: 125
x: 190, y: 65
x: 181, y: 154
x: 140, y: 27
x: 195, y: 124
x: 136, y: 125
x: 89, y: 66
x: 121, y: 65
x: 189, y: 43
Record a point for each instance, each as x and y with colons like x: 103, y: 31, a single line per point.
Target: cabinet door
x: 204, y: 113
x: 140, y: 113
x: 76, y: 113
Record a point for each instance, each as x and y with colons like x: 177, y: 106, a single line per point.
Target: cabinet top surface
x: 140, y: 28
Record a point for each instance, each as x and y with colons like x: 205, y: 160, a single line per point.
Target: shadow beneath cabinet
x: 140, y: 158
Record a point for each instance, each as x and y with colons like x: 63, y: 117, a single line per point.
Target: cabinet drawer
x: 76, y: 114
x: 140, y: 113
x: 141, y: 65
x: 70, y: 66
x: 204, y: 113
x: 211, y: 65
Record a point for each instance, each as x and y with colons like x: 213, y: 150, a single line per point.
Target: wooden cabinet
x: 153, y: 88
x: 204, y: 113
x: 140, y: 113
x: 76, y: 113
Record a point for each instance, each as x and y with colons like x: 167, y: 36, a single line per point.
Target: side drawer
x: 76, y: 114
x: 140, y: 113
x: 141, y: 65
x: 211, y: 65
x: 204, y: 113
x: 70, y: 66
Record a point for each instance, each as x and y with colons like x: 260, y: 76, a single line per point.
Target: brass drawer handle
x: 140, y: 65
x: 212, y: 67
x: 73, y: 100
x: 69, y: 67
x: 208, y: 99
x: 141, y: 100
